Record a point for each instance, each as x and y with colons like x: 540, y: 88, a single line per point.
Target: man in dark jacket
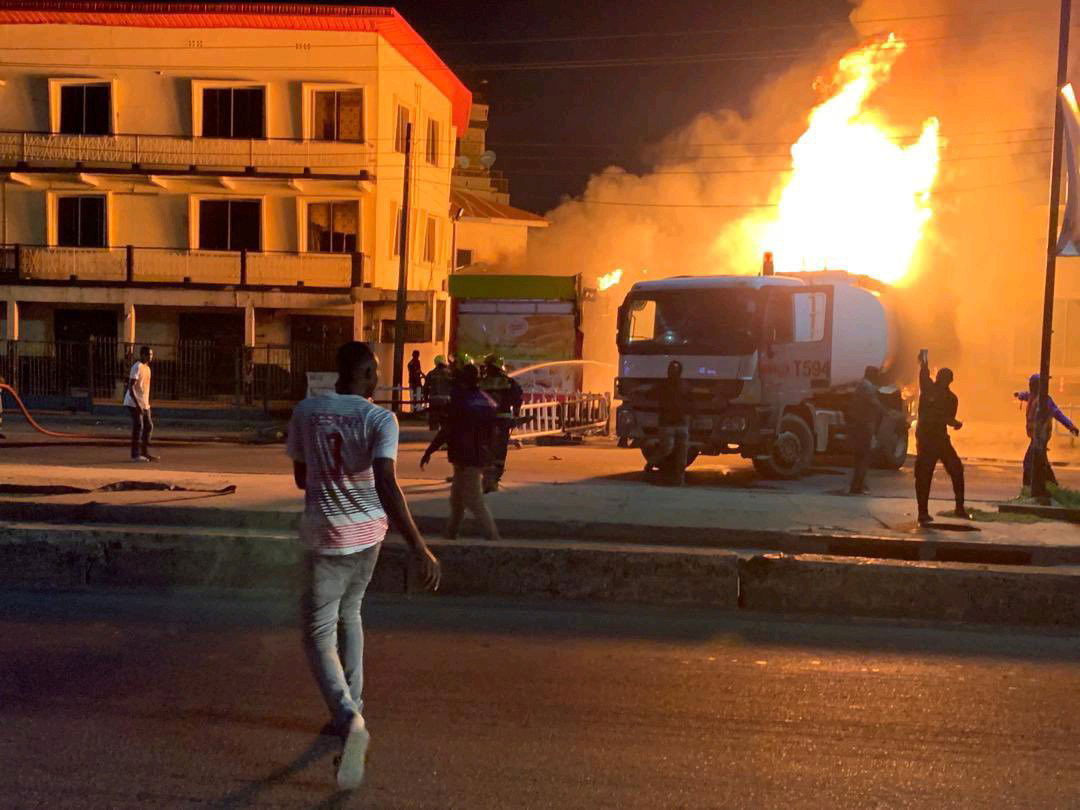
x: 937, y: 413
x: 508, y: 397
x: 416, y: 382
x: 866, y: 414
x: 468, y: 435
x: 437, y: 387
x: 670, y: 448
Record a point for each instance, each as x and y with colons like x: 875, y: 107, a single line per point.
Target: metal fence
x: 199, y: 370
x: 575, y: 415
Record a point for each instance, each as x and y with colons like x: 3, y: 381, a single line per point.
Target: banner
x: 1069, y: 240
x: 524, y: 340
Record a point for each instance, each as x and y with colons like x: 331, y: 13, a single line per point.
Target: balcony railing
x: 173, y: 151
x: 175, y: 266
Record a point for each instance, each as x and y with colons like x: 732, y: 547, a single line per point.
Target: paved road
x: 183, y: 700
x: 597, y: 461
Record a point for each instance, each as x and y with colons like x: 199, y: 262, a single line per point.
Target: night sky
x: 551, y: 127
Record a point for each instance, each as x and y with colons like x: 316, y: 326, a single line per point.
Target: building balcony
x: 28, y: 264
x: 144, y: 153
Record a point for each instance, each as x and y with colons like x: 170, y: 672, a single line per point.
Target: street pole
x: 403, y: 278
x: 1038, y: 473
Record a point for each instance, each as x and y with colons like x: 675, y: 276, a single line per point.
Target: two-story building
x: 222, y: 181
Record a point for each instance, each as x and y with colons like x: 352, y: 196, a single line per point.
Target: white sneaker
x: 354, y: 756
x: 138, y: 459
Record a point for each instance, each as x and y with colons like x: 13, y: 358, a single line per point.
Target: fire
x: 609, y: 280
x: 856, y: 199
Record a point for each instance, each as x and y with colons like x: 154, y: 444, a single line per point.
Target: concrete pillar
x: 11, y: 332
x: 249, y: 326
x: 129, y: 324
x: 358, y: 320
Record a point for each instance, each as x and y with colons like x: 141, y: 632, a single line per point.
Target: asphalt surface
x: 596, y: 461
x: 187, y: 699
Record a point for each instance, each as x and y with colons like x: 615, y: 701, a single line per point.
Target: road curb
x: 931, y: 547
x: 131, y: 557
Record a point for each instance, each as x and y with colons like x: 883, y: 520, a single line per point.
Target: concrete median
x: 911, y: 590
x: 64, y: 556
x: 70, y: 556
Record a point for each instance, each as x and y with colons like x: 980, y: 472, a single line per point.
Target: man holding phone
x: 937, y: 413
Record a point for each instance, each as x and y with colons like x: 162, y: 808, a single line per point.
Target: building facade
x: 222, y: 181
x: 490, y: 235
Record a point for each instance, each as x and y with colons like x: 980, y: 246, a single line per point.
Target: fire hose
x: 57, y: 434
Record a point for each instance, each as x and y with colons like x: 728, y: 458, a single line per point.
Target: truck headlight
x: 733, y: 424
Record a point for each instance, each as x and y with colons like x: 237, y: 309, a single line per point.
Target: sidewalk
x: 588, y: 510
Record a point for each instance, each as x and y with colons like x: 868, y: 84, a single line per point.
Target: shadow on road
x: 322, y: 747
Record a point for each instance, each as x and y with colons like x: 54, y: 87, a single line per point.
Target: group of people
x: 472, y: 409
x: 938, y: 406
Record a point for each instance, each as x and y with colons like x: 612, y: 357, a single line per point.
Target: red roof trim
x: 280, y: 16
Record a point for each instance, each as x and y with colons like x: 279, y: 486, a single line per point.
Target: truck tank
x: 867, y: 327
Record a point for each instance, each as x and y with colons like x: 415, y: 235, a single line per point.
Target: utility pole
x: 1038, y: 477
x: 403, y: 278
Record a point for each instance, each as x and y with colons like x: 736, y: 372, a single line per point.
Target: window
x: 464, y: 258
x: 720, y: 321
x: 642, y: 321
x: 85, y: 109
x: 809, y: 317
x: 433, y: 142
x: 395, y: 233
x: 415, y: 332
x: 339, y: 115
x: 233, y: 112
x: 429, y: 239
x: 333, y: 227
x: 400, y: 129
x: 230, y: 225
x: 81, y: 222
x: 440, y: 320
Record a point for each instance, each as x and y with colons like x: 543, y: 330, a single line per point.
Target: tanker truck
x: 771, y: 363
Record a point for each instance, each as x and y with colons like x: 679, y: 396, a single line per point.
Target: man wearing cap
x: 1039, y: 430
x: 438, y: 385
x: 508, y: 396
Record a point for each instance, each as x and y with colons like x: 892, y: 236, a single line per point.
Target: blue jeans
x: 333, y: 634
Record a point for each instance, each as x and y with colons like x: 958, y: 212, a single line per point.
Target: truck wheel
x: 791, y: 453
x: 892, y: 454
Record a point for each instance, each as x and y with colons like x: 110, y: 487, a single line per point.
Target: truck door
x: 796, y: 344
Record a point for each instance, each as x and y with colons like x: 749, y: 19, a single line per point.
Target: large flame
x: 857, y: 199
x: 609, y: 279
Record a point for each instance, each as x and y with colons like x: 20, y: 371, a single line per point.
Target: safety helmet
x: 495, y: 361
x: 440, y: 360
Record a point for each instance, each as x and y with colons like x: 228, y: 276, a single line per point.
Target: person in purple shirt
x: 1039, y: 431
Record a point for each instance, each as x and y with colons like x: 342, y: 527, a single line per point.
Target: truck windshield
x: 698, y: 321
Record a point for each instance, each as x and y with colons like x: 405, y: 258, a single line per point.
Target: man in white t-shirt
x: 137, y: 401
x: 344, y: 450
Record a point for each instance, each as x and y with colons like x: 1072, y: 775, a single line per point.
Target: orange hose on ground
x: 46, y: 431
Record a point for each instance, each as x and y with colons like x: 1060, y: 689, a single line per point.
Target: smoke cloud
x: 974, y: 291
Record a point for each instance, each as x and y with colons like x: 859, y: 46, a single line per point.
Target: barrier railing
x: 577, y: 415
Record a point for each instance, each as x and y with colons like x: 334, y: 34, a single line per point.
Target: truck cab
x: 769, y: 364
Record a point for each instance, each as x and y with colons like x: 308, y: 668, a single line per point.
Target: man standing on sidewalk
x: 137, y: 401
x: 866, y: 414
x: 416, y: 382
x: 1040, y: 431
x: 937, y: 413
x: 344, y: 450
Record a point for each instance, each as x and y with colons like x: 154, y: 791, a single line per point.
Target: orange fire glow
x: 857, y: 199
x: 609, y: 280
